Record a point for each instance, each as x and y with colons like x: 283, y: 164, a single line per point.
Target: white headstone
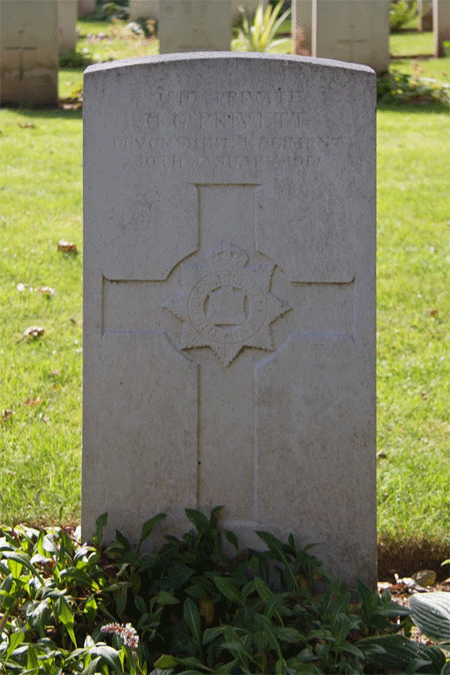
x: 301, y: 26
x: 229, y: 307
x: 425, y: 8
x: 356, y: 31
x: 149, y: 9
x: 194, y: 25
x: 441, y: 25
x: 29, y: 52
x: 67, y: 25
x: 86, y: 7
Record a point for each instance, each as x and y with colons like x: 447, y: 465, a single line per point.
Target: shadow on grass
x: 48, y: 113
x: 415, y: 107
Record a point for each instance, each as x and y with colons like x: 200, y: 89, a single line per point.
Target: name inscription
x: 231, y: 129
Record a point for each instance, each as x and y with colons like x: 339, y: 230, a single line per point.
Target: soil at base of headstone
x: 405, y: 558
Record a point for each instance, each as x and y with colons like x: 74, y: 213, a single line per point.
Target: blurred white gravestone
x: 194, y: 25
x: 29, y: 52
x: 86, y: 7
x: 441, y: 25
x: 356, y: 31
x: 149, y: 9
x: 301, y: 26
x: 229, y: 306
x: 67, y: 25
x: 425, y: 9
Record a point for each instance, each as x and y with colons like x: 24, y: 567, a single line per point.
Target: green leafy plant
x: 401, y: 13
x: 431, y: 614
x: 398, y: 87
x: 259, y: 36
x: 74, y: 59
x: 189, y: 608
x: 117, y: 9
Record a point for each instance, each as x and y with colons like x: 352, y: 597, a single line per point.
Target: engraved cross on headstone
x: 351, y: 41
x: 20, y: 49
x: 228, y: 308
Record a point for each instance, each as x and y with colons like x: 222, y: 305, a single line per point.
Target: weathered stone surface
x: 229, y: 301
x: 29, y: 52
x: 194, y: 25
x: 356, y: 31
x: 441, y: 25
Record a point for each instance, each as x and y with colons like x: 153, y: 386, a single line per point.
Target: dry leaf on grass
x: 27, y: 125
x: 66, y: 246
x: 32, y: 332
x: 6, y: 415
x: 45, y: 290
x: 31, y: 402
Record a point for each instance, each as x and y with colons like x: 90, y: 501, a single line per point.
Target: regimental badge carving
x: 226, y: 305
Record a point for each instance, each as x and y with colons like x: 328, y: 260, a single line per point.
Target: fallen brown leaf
x: 27, y: 125
x: 45, y: 290
x: 31, y: 402
x: 6, y: 415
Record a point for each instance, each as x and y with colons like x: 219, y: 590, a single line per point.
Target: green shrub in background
x: 189, y: 608
x: 259, y: 36
x: 401, y: 13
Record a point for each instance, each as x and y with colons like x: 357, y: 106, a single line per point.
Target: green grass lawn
x: 40, y: 378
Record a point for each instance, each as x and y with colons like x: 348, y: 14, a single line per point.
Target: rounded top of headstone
x: 191, y: 57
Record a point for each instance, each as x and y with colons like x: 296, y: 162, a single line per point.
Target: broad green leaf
x: 15, y: 639
x: 276, y: 547
x: 165, y: 598
x: 446, y: 668
x: 281, y: 667
x: 65, y: 615
x: 227, y: 668
x: 90, y: 609
x: 91, y: 668
x: 32, y: 659
x: 270, y: 632
x: 351, y: 649
x: 231, y: 538
x: 211, y: 634
x: 395, y: 652
x: 110, y: 656
x: 123, y: 541
x: 149, y: 526
x: 213, y: 517
x: 166, y: 661
x: 199, y: 520
x: 273, y: 605
x: 15, y: 568
x: 262, y: 589
x: 431, y: 614
x: 48, y: 545
x: 192, y: 620
x: 341, y: 626
x: 228, y: 589
x: 24, y: 560
x: 100, y: 525
x: 140, y: 604
x: 290, y: 635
